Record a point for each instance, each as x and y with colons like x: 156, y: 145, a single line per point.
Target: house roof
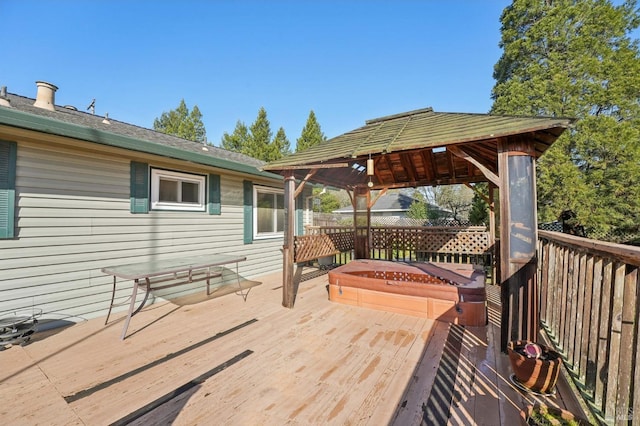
x: 391, y: 202
x: 415, y: 149
x: 68, y: 122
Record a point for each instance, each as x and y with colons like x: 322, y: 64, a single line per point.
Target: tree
x: 576, y: 58
x: 327, y: 201
x: 256, y: 141
x: 280, y: 145
x: 417, y: 210
x: 237, y: 140
x: 182, y: 123
x: 258, y: 144
x: 456, y: 199
x: 311, y: 134
x: 479, y: 213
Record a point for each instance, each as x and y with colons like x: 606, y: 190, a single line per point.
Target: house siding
x: 73, y: 218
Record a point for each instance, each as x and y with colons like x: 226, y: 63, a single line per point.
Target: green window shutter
x: 248, y: 212
x: 8, y: 156
x: 139, y: 187
x: 215, y: 206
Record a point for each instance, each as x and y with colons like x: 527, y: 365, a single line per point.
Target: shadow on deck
x: 228, y: 361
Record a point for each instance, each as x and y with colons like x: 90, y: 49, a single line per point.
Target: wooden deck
x: 223, y: 360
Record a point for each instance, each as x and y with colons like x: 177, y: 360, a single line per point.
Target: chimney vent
x: 46, y: 95
x: 4, y: 100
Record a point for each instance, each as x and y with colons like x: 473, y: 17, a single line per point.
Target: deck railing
x: 406, y: 243
x: 590, y: 310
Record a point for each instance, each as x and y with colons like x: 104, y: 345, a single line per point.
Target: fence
x: 589, y: 309
x: 408, y: 243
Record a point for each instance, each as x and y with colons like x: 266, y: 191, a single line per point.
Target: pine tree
x: 280, y: 145
x: 237, y: 140
x: 311, y: 134
x: 182, y: 123
x: 575, y: 58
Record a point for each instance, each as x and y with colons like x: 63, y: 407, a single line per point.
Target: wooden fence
x: 406, y: 243
x: 589, y: 309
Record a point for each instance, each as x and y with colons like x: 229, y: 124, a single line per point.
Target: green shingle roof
x: 409, y: 149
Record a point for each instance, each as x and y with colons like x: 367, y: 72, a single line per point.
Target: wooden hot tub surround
x: 448, y: 292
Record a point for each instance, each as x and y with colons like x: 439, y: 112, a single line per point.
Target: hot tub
x: 447, y: 292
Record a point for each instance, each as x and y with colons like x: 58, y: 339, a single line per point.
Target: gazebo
x: 429, y: 148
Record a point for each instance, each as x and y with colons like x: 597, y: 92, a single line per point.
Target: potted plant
x: 535, y: 366
x: 542, y: 415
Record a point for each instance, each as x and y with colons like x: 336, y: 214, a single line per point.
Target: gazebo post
x: 361, y: 221
x: 519, y: 236
x: 288, y: 290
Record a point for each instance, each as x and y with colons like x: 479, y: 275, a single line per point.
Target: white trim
x: 265, y: 190
x: 156, y: 204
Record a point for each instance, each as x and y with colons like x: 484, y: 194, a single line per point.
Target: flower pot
x: 535, y: 366
x: 536, y: 415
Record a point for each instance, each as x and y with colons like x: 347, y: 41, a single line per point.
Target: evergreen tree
x: 237, y: 140
x: 182, y: 123
x: 311, y: 134
x: 575, y: 58
x: 281, y: 145
x: 417, y: 210
x: 259, y: 143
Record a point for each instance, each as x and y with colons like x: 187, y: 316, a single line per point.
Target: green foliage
x: 236, y: 140
x: 182, y: 123
x: 479, y: 213
x: 256, y: 141
x: 575, y: 58
x: 327, y: 202
x: 418, y: 210
x: 311, y: 134
x: 280, y: 145
x: 422, y: 208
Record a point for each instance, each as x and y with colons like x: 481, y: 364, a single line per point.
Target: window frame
x: 266, y: 235
x: 156, y: 204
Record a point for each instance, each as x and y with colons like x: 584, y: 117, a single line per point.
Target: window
x: 268, y: 216
x: 177, y: 191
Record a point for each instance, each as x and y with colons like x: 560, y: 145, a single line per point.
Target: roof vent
x: 106, y: 118
x: 46, y: 95
x: 4, y: 100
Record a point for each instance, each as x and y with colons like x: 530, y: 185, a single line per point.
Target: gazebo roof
x: 418, y: 148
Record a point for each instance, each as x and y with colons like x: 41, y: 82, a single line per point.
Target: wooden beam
x: 460, y: 152
x: 304, y: 181
x: 375, y: 200
x: 427, y: 158
x: 407, y: 164
x: 317, y: 166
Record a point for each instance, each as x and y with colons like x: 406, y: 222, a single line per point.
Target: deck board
x: 319, y: 363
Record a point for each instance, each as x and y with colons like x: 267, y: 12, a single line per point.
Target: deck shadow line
x: 437, y: 409
x: 86, y: 392
x: 180, y: 390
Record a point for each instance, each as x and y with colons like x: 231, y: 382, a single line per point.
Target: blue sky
x: 349, y: 61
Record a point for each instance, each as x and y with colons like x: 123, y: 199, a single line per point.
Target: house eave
x: 27, y: 121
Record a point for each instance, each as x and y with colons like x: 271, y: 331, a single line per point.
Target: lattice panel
x: 430, y: 240
x: 310, y: 247
x: 343, y: 241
